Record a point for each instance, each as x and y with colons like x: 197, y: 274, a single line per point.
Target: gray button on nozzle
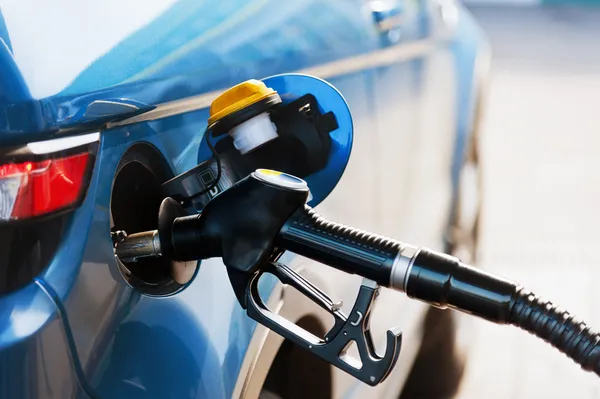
x: 280, y: 179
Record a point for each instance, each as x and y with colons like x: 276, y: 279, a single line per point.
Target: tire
x: 440, y: 362
x: 439, y: 367
x: 297, y: 373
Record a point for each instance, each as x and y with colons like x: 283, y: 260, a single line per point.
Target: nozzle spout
x: 139, y: 245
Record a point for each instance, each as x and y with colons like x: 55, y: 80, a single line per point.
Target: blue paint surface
x: 189, y: 345
x: 195, y: 47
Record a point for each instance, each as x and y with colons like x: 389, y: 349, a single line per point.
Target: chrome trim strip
x: 171, y: 108
x: 384, y: 57
x: 63, y: 143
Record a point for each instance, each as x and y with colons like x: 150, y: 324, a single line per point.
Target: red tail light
x: 43, y: 186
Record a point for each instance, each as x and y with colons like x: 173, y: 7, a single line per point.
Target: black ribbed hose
x: 557, y: 327
x: 445, y: 282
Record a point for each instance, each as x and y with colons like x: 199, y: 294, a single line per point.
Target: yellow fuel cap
x: 252, y: 96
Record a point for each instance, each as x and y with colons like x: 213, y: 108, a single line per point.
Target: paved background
x: 541, y: 220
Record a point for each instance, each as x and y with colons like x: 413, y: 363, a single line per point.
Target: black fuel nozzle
x: 241, y: 225
x: 251, y: 222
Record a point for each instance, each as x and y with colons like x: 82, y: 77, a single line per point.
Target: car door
x: 136, y: 333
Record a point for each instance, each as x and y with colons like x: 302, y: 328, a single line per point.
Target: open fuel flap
x: 253, y: 126
x: 135, y: 202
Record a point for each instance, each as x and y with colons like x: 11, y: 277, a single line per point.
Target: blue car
x: 101, y: 102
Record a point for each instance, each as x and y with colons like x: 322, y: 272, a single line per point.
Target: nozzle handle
x: 351, y: 250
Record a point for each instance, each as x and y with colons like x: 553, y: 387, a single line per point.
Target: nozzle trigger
x: 370, y: 368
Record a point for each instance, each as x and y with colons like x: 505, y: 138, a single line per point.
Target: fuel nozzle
x: 226, y: 227
x: 154, y: 243
x: 266, y: 212
x: 240, y: 226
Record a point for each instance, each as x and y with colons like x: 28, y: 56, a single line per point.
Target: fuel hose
x: 439, y: 280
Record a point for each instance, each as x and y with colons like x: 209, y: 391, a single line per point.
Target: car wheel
x: 463, y: 231
x: 297, y: 373
x: 439, y: 366
x: 440, y: 362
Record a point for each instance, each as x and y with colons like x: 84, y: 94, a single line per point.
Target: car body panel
x: 395, y: 78
x: 35, y: 352
x: 228, y: 43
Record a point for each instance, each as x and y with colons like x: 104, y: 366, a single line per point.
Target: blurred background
x: 539, y: 152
